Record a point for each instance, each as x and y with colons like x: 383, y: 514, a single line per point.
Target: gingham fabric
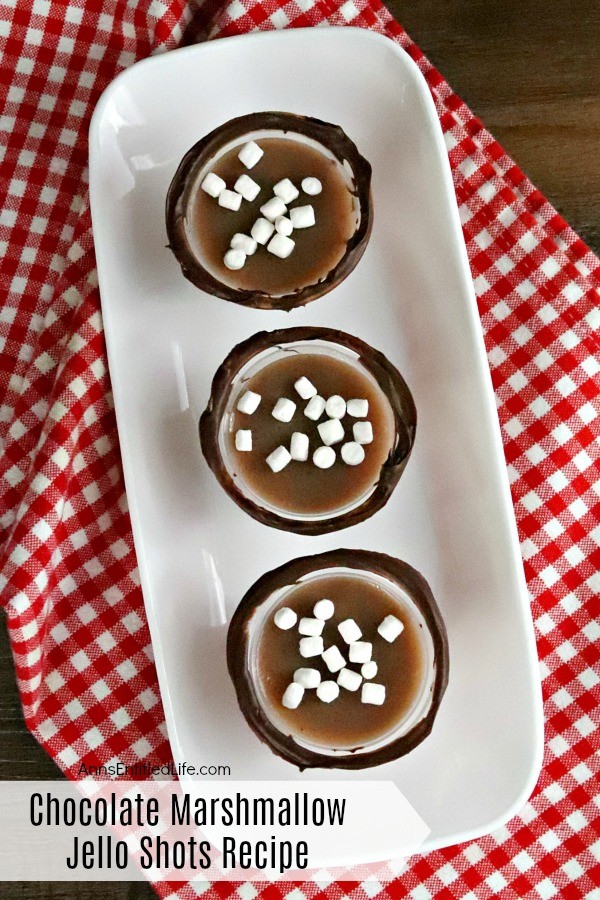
x: 68, y: 572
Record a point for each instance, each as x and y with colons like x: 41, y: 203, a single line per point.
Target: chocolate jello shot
x: 270, y: 210
x: 339, y: 660
x: 308, y: 429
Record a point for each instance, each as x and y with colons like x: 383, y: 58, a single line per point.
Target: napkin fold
x: 68, y: 575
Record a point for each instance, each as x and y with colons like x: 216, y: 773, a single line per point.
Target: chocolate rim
x: 178, y: 195
x: 395, y: 570
x: 389, y: 380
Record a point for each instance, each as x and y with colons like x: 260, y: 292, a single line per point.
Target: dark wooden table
x: 530, y: 71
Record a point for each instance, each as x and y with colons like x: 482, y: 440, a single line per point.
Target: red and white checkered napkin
x: 68, y: 572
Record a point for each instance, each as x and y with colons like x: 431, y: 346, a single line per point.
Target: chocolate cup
x: 333, y: 138
x: 397, y: 572
x: 387, y: 377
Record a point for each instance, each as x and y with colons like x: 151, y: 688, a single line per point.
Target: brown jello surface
x: 346, y: 722
x: 318, y: 249
x: 302, y: 487
x: 263, y: 657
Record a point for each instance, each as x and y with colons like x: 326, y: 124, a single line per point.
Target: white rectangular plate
x: 412, y: 297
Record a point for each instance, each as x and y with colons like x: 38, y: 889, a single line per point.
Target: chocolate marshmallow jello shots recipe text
x: 308, y: 429
x: 270, y: 210
x: 339, y: 660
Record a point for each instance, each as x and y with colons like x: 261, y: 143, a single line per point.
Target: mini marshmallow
x: 336, y: 407
x: 247, y: 187
x: 213, y: 185
x: 244, y: 243
x: 262, y: 230
x: 369, y: 669
x: 333, y: 659
x: 358, y: 409
x: 360, y: 651
x: 315, y: 408
x: 284, y: 410
x: 278, y: 459
x: 283, y: 225
x: 273, y: 208
x: 250, y: 154
x: 302, y: 216
x: 352, y: 453
x: 293, y: 695
x: 243, y: 440
x: 280, y: 246
x: 323, y: 609
x: 249, y: 402
x: 373, y: 693
x: 286, y: 191
x: 350, y: 631
x: 328, y: 691
x: 390, y: 628
x: 363, y: 432
x: 305, y: 388
x: 311, y: 186
x: 285, y: 618
x: 311, y: 627
x: 324, y: 457
x: 235, y: 259
x: 308, y: 678
x: 331, y: 432
x: 230, y: 200
x: 349, y: 680
x: 299, y: 446
x: 311, y: 646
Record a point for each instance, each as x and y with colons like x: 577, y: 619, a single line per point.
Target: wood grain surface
x: 530, y: 72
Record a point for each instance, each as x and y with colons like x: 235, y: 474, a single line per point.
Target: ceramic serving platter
x: 411, y: 297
